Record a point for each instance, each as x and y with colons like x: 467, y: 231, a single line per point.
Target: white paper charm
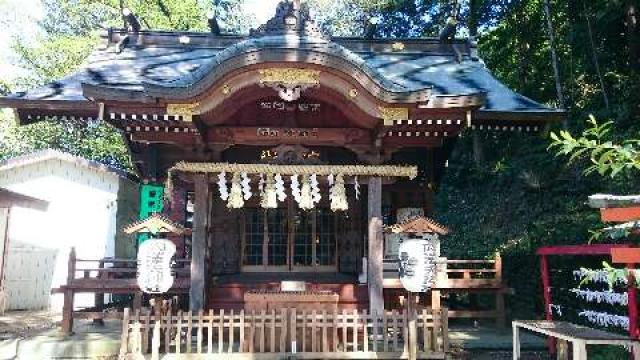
x: 282, y: 195
x: 246, y: 187
x: 315, y: 189
x: 222, y: 186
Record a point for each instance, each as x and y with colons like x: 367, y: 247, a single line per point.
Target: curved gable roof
x: 149, y: 65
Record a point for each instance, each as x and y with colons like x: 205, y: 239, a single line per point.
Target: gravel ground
x: 21, y: 324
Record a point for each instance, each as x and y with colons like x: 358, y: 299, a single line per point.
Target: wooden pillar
x: 500, y: 308
x: 411, y: 323
x: 375, y: 246
x: 67, y: 306
x: 199, y: 243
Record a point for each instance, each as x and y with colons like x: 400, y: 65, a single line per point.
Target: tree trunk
x: 472, y: 23
x: 633, y: 37
x: 594, y: 56
x: 554, y: 58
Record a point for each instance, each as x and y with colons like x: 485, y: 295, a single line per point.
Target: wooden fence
x: 285, y: 333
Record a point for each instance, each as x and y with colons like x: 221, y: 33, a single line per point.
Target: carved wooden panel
x: 225, y: 242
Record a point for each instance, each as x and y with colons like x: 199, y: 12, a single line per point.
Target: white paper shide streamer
x: 269, y: 199
x: 338, y: 195
x: 602, y: 297
x: 315, y: 189
x: 222, y: 186
x: 306, y: 201
x: 295, y: 188
x: 605, y: 320
x: 246, y: 186
x: 236, y: 198
x: 282, y: 196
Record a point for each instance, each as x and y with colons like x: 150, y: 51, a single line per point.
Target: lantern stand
x: 417, y: 272
x: 154, y: 225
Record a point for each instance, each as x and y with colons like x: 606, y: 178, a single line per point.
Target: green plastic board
x: 151, y: 202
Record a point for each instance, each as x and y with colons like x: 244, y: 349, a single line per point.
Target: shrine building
x: 286, y: 152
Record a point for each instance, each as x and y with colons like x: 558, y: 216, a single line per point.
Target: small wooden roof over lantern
x: 155, y: 224
x: 418, y: 225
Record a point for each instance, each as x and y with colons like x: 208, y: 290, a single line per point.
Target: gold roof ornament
x: 289, y: 82
x: 186, y: 111
x: 155, y: 224
x: 290, y: 76
x: 389, y: 115
x: 397, y: 46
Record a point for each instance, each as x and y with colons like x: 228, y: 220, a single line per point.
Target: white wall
x: 82, y: 208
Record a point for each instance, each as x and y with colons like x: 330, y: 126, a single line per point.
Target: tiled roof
x: 151, y: 61
x: 444, y: 73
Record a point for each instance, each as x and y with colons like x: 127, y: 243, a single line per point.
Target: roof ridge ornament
x: 292, y: 17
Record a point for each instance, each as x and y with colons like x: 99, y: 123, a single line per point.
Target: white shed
x: 84, y: 212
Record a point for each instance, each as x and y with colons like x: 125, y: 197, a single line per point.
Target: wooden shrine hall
x: 286, y: 151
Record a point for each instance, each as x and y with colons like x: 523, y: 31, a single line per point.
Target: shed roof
x: 51, y: 154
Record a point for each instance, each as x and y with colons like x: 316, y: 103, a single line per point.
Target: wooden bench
x: 579, y: 336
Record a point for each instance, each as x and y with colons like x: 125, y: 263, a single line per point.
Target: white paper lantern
x: 154, y: 266
x: 417, y: 264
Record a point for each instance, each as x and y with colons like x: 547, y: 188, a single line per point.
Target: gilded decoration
x: 290, y: 76
x: 226, y: 89
x: 397, y: 46
x: 289, y: 82
x: 389, y: 115
x: 186, y: 111
x: 353, y: 93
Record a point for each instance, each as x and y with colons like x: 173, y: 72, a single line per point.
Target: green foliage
x: 97, y: 141
x: 67, y: 35
x: 53, y: 58
x: 606, y: 157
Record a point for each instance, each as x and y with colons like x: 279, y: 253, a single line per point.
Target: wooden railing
x: 108, y: 276
x: 455, y: 274
x: 287, y: 332
x: 462, y: 276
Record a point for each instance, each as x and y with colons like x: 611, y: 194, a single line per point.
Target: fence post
x: 411, y: 323
x: 124, y: 337
x: 155, y: 341
x: 67, y: 308
x: 99, y: 297
x: 445, y: 329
